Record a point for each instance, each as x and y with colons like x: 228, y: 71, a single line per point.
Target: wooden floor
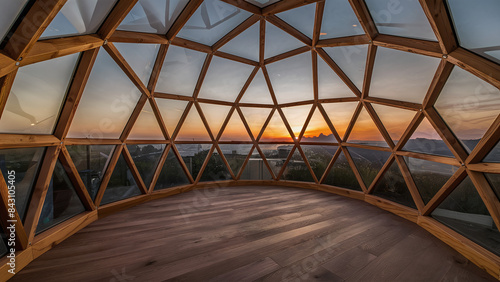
x: 252, y: 233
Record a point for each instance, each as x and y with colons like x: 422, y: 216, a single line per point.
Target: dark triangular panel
x: 296, y: 169
x: 341, y: 175
x: 215, y: 170
x: 193, y: 156
x: 146, y: 158
x: 171, y: 173
x: 319, y: 157
x: 392, y: 186
x: 121, y: 185
x: 368, y: 162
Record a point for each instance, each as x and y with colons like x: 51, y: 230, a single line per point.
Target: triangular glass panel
x: 255, y: 118
x: 329, y: 83
x: 301, y: 18
x: 339, y: 20
x: 235, y: 155
x: 215, y: 115
x: 215, y: 170
x: 276, y: 155
x: 146, y: 126
x: 256, y: 168
x: 494, y: 180
x: 79, y: 17
x: 121, y: 185
x: 366, y: 132
x: 153, y: 16
x: 402, y: 76
x: 25, y: 162
x: 468, y: 105
x: 258, y: 91
x: 292, y: 78
x: 9, y: 14
x: 171, y: 174
x: 276, y: 131
x: 392, y: 186
x: 464, y: 211
x: 494, y: 155
x: 319, y: 157
x: 107, y: 102
x: 235, y: 130
x: 211, y: 21
x: 429, y: 177
x: 296, y: 117
x: 341, y: 175
x: 318, y: 130
x: 37, y: 95
x: 146, y: 159
x: 171, y: 112
x: 193, y: 128
x: 90, y: 161
x: 61, y: 201
x: 194, y: 156
x: 180, y: 71
x: 368, y: 162
x: 235, y: 75
x: 352, y: 61
x: 426, y: 140
x: 340, y: 115
x: 246, y: 44
x: 402, y: 18
x: 143, y: 64
x: 395, y: 120
x: 262, y: 3
x: 296, y: 169
x: 279, y: 42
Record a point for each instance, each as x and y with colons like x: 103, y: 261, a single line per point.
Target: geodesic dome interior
x: 105, y: 104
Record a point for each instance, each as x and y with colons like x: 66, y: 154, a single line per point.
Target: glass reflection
x: 340, y: 115
x: 255, y: 118
x: 258, y: 91
x: 171, y: 112
x: 215, y: 115
x: 426, y: 140
x: 318, y: 130
x: 339, y: 20
x: 276, y: 130
x: 352, y: 61
x: 301, y: 18
x: 9, y: 11
x: 194, y: 156
x: 368, y: 162
x: 341, y: 175
x: 278, y: 41
x: 246, y: 44
x: 296, y: 169
x: 146, y: 126
x: 141, y: 64
x: 392, y: 186
x: 193, y: 128
x: 235, y: 130
x: 146, y: 159
x: 171, y: 174
x: 329, y: 83
x: 121, y: 185
x: 395, y: 120
x: 296, y: 117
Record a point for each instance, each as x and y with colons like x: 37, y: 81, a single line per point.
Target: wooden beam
x: 287, y: 55
x: 431, y: 158
x: 318, y: 19
x: 91, y: 141
x: 445, y: 191
x: 438, y: 17
x: 417, y: 46
x: 354, y: 169
x: 133, y: 169
x: 159, y: 119
x: 262, y: 41
x: 182, y: 19
x: 394, y: 103
x: 159, y: 168
x: 415, y: 194
x: 314, y: 59
x: 485, y: 167
x: 364, y: 146
x: 486, y: 193
x: 380, y: 126
x: 486, y: 144
x: 247, y: 84
x: 438, y: 82
x: 235, y: 58
x: 282, y: 6
x: 155, y: 73
x: 133, y: 118
x: 7, y: 64
x: 185, y: 43
x: 395, y: 208
x: 123, y: 36
x: 109, y: 168
x: 370, y: 62
x: 289, y: 29
x: 381, y: 173
x: 8, y: 212
x: 115, y: 17
x: 236, y: 31
x: 322, y: 53
x: 183, y: 165
x: 364, y: 18
x: 415, y: 122
x: 355, y: 116
x: 477, y: 65
x: 6, y: 83
x: 244, y: 5
x: 343, y: 41
x: 203, y: 73
x: 32, y: 27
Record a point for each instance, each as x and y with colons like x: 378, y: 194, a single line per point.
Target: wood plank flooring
x: 252, y: 234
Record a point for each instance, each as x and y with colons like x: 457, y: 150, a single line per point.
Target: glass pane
x: 426, y: 140
x: 276, y: 155
x: 255, y: 118
x: 318, y: 130
x: 180, y: 71
x: 368, y: 162
x: 171, y: 112
x: 276, y: 130
x: 395, y: 120
x: 319, y: 157
x: 278, y: 41
x: 296, y: 117
x: 235, y: 76
x: 10, y: 10
x: 258, y: 91
x: 401, y: 18
x: 494, y: 180
x: 121, y: 185
x: 3, y: 244
x: 146, y: 126
x: 402, y: 75
x: 301, y: 18
x: 193, y: 128
x: 392, y: 186
x: 215, y: 170
x: 235, y: 130
x: 494, y: 155
x: 340, y: 115
x: 215, y: 115
x: 90, y: 161
x: 171, y: 174
x: 78, y: 17
x: 153, y: 16
x: 341, y: 175
x: 61, y: 202
x: 296, y: 169
x: 262, y: 3
x: 292, y: 78
x: 23, y: 164
x: 471, y: 22
x: 246, y: 44
x: 329, y: 83
x: 352, y: 60
x: 146, y: 158
x: 107, y: 102
x: 429, y: 176
x: 464, y: 211
x: 141, y: 64
x: 469, y: 106
x: 256, y: 169
x: 236, y: 155
x: 37, y: 96
x: 211, y: 21
x: 194, y: 156
x: 339, y: 20
x: 366, y: 132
